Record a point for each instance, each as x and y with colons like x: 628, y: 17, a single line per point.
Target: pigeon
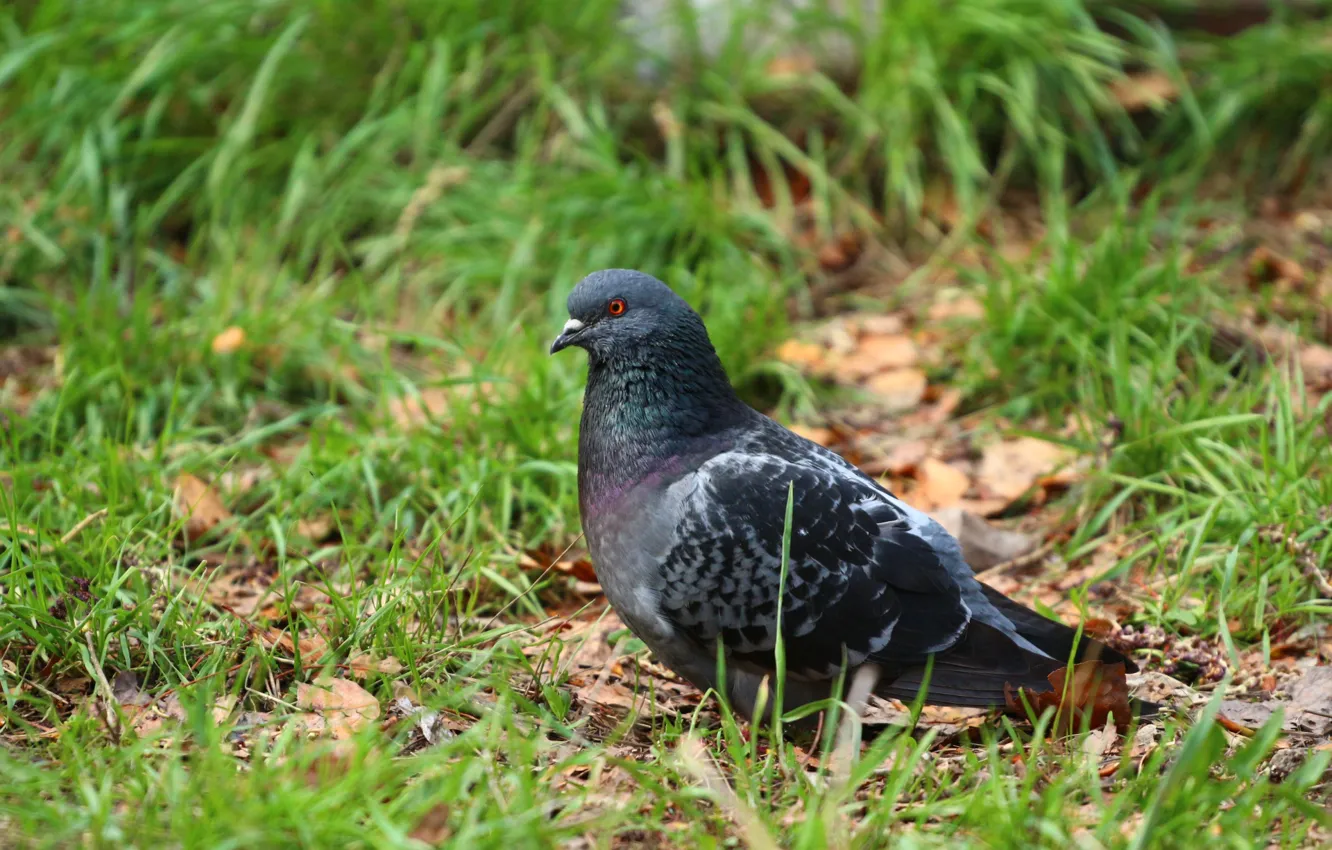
x: 683, y: 492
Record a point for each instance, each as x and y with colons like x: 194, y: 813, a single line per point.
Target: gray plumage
x: 683, y: 492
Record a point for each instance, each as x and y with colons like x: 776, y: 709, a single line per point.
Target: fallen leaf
x: 898, y: 389
x: 362, y: 664
x: 316, y: 529
x: 433, y: 828
x: 1136, y: 92
x: 823, y: 436
x: 1157, y: 687
x: 588, y: 644
x: 901, y: 458
x: 1267, y: 266
x: 805, y: 356
x: 587, y: 588
x: 668, y: 123
x: 144, y: 713
x: 229, y: 341
x: 833, y: 257
x: 539, y: 560
x: 615, y: 695
x: 1311, y: 702
x: 939, y: 484
x: 414, y: 411
x: 72, y: 685
x: 1316, y: 364
x: 983, y: 545
x: 199, y: 505
x: 312, y: 647
x: 222, y: 709
x: 332, y: 762
x: 1099, y: 741
x: 948, y: 401
x: 798, y: 64
x: 1246, y: 715
x: 344, y: 705
x: 125, y: 689
x: 877, y: 354
x: 1096, y: 688
x: 965, y: 308
x: 1307, y: 221
x: 1011, y: 468
x: 797, y: 183
x: 879, y: 324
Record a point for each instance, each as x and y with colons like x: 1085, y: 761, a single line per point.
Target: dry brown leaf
x: 199, y: 504
x: 1099, y: 741
x: 1242, y: 717
x: 222, y: 709
x: 899, y: 389
x: 539, y: 560
x: 344, y: 705
x: 144, y: 713
x: 1311, y: 702
x: 1316, y: 364
x: 615, y: 695
x: 1098, y: 688
x: 940, y: 201
x: 317, y: 528
x: 1307, y: 221
x: 1147, y: 89
x: 964, y: 308
x: 587, y: 588
x: 791, y: 65
x: 983, y: 545
x: 229, y: 341
x: 433, y: 828
x: 414, y: 411
x: 313, y: 647
x: 1009, y: 469
x: 833, y: 257
x: 1267, y: 266
x: 823, y: 436
x: 878, y: 324
x: 901, y: 458
x: 805, y: 356
x: 362, y: 664
x: 876, y: 354
x: 72, y: 684
x: 939, y: 484
x: 589, y: 643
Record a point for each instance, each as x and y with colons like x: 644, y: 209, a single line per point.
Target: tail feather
x: 983, y: 668
x: 974, y: 672
x: 1054, y: 639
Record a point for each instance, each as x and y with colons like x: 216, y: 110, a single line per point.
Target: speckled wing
x: 860, y: 577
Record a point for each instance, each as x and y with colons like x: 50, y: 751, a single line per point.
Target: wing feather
x: 861, y: 581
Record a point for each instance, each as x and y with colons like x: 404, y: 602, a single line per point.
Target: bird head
x: 619, y: 311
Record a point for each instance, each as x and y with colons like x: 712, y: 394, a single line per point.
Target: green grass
x: 393, y: 201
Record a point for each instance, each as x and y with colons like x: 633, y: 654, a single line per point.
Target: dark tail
x: 1054, y: 639
x: 985, y: 666
x: 974, y: 671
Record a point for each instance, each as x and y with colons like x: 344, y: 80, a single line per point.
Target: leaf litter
x: 908, y: 431
x: 339, y: 705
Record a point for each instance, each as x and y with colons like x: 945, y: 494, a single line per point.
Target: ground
x: 289, y: 541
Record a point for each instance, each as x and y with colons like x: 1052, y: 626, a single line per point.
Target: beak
x: 572, y: 329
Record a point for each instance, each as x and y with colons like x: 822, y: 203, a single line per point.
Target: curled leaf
x: 1095, y: 687
x: 199, y: 505
x: 344, y: 705
x: 229, y: 341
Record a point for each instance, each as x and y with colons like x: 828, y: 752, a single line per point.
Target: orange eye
x: 617, y: 307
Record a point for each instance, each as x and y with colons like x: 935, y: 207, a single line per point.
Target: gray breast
x: 628, y: 541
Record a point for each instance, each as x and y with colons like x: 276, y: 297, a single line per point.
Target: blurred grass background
x: 393, y: 197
